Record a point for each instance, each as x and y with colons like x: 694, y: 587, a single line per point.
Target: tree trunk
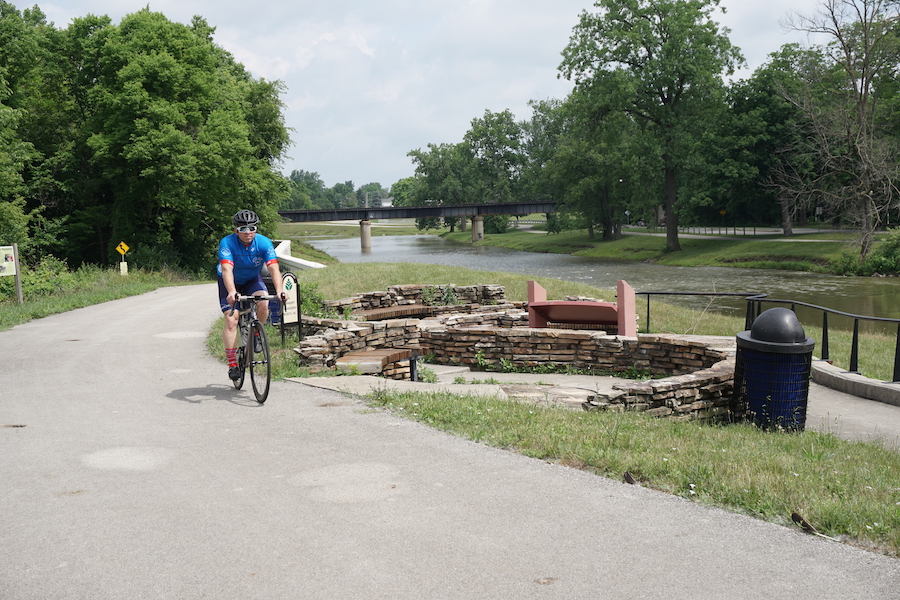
x: 786, y: 226
x: 671, y: 220
x: 869, y: 223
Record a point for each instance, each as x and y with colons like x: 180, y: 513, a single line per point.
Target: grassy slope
x: 711, y: 251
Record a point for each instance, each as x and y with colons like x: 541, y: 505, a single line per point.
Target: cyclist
x: 241, y: 256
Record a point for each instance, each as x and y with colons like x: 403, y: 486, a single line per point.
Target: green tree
x: 495, y: 141
x: 540, y: 141
x: 447, y: 174
x: 182, y: 137
x: 403, y: 192
x: 15, y: 153
x: 852, y: 143
x: 661, y: 63
x: 747, y: 145
x: 371, y: 194
x: 27, y: 105
x: 145, y: 132
x: 306, y: 191
x: 598, y: 169
x: 343, y: 195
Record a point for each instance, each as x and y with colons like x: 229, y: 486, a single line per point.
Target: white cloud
x: 369, y: 81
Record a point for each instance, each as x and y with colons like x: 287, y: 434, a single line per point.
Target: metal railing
x: 754, y: 308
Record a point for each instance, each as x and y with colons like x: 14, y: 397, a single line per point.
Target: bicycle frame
x: 250, y: 328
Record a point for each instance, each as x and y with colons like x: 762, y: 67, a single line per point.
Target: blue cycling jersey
x: 247, y: 260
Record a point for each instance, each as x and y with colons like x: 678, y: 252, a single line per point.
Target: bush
x: 560, y: 222
x: 883, y: 260
x: 496, y: 223
x: 50, y: 276
x: 312, y: 303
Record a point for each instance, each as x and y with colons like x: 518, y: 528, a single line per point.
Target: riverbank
x: 817, y: 254
x: 819, y: 251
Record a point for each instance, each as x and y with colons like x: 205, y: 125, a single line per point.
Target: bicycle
x: 251, y: 329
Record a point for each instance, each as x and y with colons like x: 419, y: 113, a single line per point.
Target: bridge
x: 477, y: 213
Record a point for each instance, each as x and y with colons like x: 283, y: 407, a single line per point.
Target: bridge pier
x: 477, y: 228
x: 365, y: 235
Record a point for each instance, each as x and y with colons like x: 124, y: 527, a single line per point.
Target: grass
x: 849, y: 491
x: 346, y: 279
x: 85, y: 287
x: 713, y: 251
x: 306, y: 252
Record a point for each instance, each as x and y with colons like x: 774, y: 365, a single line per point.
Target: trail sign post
x: 122, y: 248
x: 290, y: 312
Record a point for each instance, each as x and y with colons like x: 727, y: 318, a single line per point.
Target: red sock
x: 231, y: 355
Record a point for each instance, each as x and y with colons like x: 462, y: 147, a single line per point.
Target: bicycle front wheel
x: 239, y: 383
x: 260, y: 366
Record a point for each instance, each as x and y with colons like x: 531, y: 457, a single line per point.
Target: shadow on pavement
x: 218, y: 391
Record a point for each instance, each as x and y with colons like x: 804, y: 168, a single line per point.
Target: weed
x: 425, y: 374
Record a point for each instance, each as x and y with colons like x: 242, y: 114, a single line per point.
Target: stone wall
x: 700, y: 370
x: 404, y: 295
x: 705, y: 394
x: 491, y: 346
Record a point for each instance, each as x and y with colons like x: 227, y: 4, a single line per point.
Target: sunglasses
x: 246, y: 229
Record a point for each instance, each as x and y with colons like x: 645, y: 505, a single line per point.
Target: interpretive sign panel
x: 7, y: 261
x: 291, y: 312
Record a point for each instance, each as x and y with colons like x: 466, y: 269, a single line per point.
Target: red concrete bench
x: 620, y: 316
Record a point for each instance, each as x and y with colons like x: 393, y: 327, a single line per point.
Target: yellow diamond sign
x: 122, y: 248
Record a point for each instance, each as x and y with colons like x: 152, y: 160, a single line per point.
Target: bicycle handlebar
x: 238, y: 298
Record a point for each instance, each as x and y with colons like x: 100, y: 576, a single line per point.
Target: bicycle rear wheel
x: 260, y: 367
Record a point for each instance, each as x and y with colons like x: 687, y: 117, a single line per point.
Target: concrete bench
x: 619, y: 318
x: 379, y: 360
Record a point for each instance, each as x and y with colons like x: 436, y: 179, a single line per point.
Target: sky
x: 368, y: 81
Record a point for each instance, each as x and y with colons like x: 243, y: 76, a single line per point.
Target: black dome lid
x: 778, y: 325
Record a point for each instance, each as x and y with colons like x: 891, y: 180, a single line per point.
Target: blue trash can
x: 772, y: 370
x: 274, y: 311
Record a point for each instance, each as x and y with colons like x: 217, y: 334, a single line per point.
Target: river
x: 858, y: 295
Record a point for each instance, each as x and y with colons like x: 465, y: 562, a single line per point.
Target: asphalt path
x: 132, y: 469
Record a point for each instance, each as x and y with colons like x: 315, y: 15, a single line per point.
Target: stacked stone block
x: 702, y: 395
x: 405, y: 295
x: 335, y: 338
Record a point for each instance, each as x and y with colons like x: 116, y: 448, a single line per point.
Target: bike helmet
x: 245, y: 217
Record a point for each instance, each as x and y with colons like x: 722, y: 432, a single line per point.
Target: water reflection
x: 858, y: 295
